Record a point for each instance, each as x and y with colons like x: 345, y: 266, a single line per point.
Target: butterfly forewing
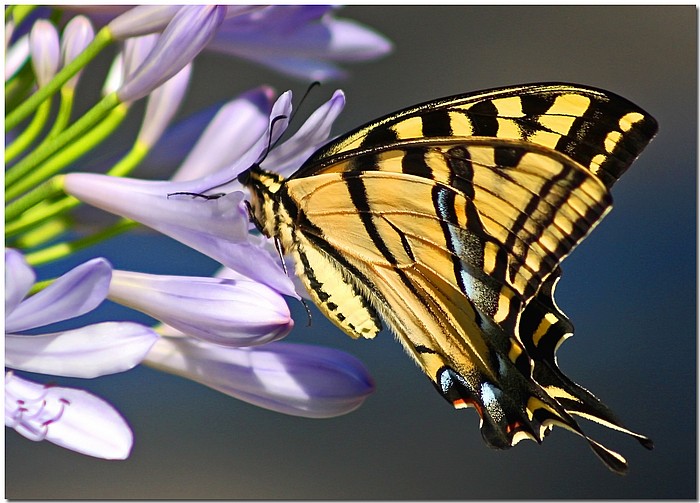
x: 449, y: 221
x: 598, y: 129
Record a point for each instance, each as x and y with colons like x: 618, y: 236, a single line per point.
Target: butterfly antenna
x: 294, y: 112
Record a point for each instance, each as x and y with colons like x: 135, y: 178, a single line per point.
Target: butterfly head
x: 263, y: 186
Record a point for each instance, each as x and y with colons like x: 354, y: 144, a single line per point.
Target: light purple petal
x: 68, y: 417
x: 224, y: 180
x: 230, y: 134
x: 296, y: 379
x: 17, y: 54
x: 86, y: 352
x: 44, y: 47
x: 77, y: 35
x: 300, y: 40
x: 77, y: 292
x: 136, y: 50
x: 19, y: 278
x: 232, y: 312
x: 289, y: 156
x: 216, y: 227
x: 186, y: 35
x: 142, y: 20
x: 162, y: 105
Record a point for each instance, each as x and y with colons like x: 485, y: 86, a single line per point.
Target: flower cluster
x: 221, y: 331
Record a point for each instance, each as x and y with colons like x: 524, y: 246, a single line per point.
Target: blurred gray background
x: 630, y: 289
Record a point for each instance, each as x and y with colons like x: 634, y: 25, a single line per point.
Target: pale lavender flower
x: 219, y: 227
x: 162, y: 105
x: 186, y: 35
x: 90, y: 351
x: 304, y: 41
x: 296, y: 379
x: 234, y: 129
x: 137, y: 21
x: 300, y: 40
x: 16, y: 56
x: 125, y: 63
x: 45, y: 52
x: 232, y: 312
x: 68, y: 417
x: 77, y: 35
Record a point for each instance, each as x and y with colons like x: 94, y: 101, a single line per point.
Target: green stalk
x: 40, y: 193
x: 42, y: 234
x: 20, y: 12
x: 130, y: 161
x: 25, y: 174
x: 64, y: 111
x: 62, y: 250
x: 33, y: 208
x: 30, y: 133
x: 102, y: 39
x: 40, y: 214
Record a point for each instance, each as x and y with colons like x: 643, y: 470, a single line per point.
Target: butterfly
x: 448, y: 222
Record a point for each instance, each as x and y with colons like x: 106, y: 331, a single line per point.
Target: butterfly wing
x: 449, y: 220
x: 451, y: 256
x: 598, y: 129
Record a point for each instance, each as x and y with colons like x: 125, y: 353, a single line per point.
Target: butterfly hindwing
x: 449, y: 221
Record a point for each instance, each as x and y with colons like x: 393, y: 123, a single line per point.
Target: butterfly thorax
x: 264, y: 208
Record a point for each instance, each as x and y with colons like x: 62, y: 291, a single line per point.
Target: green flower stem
x: 42, y: 234
x: 18, y: 87
x: 40, y: 214
x: 102, y: 39
x: 61, y: 250
x: 34, y: 208
x: 30, y: 133
x: 20, y: 12
x: 64, y: 111
x: 130, y: 161
x: 35, y: 196
x: 28, y: 172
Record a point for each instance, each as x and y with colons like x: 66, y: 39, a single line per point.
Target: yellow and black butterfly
x: 448, y: 221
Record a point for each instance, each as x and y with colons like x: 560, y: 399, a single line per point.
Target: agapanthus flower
x: 86, y: 352
x: 304, y: 41
x: 71, y: 418
x: 296, y: 379
x: 218, y: 227
x: 220, y: 331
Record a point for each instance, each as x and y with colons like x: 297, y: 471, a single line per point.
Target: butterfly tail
x: 543, y: 327
x: 515, y: 409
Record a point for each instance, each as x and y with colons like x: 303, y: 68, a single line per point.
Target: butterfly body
x: 448, y: 222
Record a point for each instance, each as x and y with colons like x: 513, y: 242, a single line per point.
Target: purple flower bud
x: 301, y: 41
x: 217, y: 228
x: 236, y: 127
x: 86, y: 352
x: 19, y: 278
x: 230, y: 312
x: 44, y: 48
x: 16, y: 56
x: 142, y: 20
x: 76, y: 37
x: 68, y: 417
x: 296, y: 379
x: 185, y: 36
x: 75, y: 293
x: 162, y: 105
